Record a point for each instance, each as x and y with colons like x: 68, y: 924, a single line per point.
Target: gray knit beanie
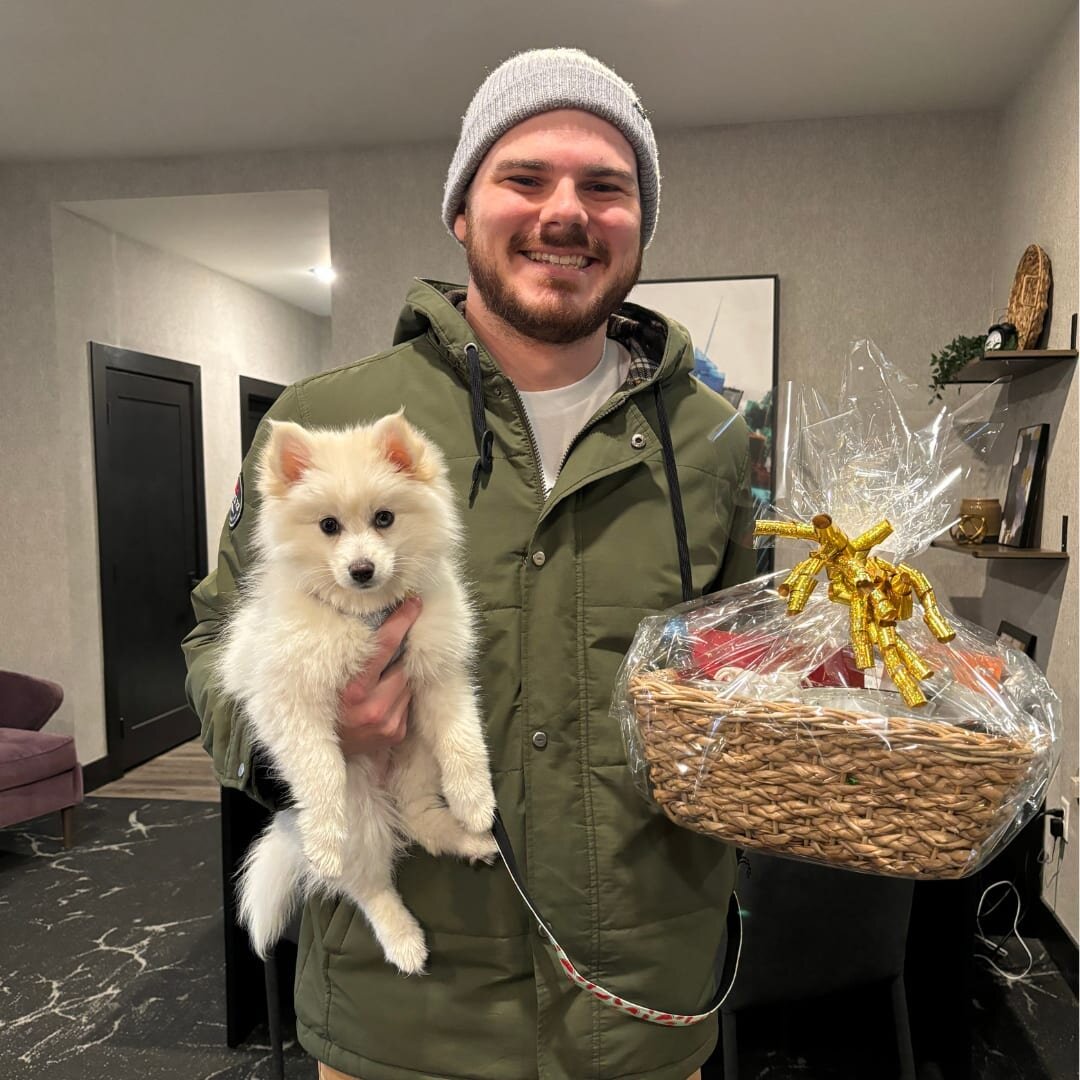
x: 537, y: 82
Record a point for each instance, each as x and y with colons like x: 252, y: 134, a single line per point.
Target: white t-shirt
x: 557, y: 416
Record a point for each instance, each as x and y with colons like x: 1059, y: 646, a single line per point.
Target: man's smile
x: 579, y: 262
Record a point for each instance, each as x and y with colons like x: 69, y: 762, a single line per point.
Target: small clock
x: 1000, y: 336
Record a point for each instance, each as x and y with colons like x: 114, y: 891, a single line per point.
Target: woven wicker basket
x: 912, y: 798
x: 1029, y: 296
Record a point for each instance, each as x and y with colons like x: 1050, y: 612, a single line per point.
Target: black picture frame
x: 737, y: 321
x: 1024, y: 491
x: 1015, y: 638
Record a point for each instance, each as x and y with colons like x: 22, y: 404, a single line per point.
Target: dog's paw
x: 479, y: 847
x: 408, y: 952
x: 474, y: 809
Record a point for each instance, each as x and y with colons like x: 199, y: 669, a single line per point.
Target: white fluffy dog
x: 351, y: 523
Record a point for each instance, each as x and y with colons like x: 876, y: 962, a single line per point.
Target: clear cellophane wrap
x: 836, y: 710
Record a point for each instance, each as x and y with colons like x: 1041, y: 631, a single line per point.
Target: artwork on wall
x: 1025, y: 486
x: 1014, y: 638
x: 733, y: 324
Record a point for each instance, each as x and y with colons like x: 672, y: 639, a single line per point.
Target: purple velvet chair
x: 39, y: 773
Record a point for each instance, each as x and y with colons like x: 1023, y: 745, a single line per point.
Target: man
x: 599, y: 483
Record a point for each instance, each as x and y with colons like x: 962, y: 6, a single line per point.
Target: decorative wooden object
x: 1029, y: 296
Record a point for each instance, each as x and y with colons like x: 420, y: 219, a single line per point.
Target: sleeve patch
x: 236, y: 507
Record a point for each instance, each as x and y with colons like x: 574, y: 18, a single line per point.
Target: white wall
x: 118, y: 291
x: 114, y: 290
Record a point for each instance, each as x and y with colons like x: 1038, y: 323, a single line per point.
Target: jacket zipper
x: 620, y: 398
x: 524, y: 417
x: 607, y: 410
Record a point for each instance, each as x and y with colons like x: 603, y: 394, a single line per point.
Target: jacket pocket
x: 338, y: 924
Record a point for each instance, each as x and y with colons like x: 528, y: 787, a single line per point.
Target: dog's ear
x: 285, y: 458
x: 406, y: 448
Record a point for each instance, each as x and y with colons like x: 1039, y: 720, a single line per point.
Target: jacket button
x: 539, y: 740
x: 240, y: 769
x: 637, y: 441
x: 539, y: 558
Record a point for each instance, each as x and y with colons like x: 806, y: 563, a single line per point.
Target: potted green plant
x: 955, y: 356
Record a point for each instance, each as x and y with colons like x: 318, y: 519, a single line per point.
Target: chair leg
x: 67, y: 823
x: 731, y: 1046
x: 273, y: 1016
x: 903, y: 1029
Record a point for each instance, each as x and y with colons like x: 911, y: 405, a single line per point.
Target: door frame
x: 250, y: 388
x: 104, y: 358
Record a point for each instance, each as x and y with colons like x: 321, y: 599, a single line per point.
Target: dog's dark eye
x: 383, y: 519
x: 330, y: 526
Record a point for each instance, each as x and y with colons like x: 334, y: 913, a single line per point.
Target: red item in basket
x: 716, y: 649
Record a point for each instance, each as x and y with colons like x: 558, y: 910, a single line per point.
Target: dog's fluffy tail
x: 270, y: 882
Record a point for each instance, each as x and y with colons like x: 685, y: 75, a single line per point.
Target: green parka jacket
x: 561, y: 583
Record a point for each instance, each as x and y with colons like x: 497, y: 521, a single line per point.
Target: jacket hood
x: 431, y: 309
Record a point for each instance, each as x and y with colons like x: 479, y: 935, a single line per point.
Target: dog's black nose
x: 362, y: 572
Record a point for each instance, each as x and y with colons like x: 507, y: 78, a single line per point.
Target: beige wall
x: 877, y: 228
x: 1036, y: 151
x: 113, y: 290
x: 885, y: 227
x: 1039, y: 204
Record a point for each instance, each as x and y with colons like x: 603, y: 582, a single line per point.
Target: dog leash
x: 734, y: 917
x: 630, y: 1008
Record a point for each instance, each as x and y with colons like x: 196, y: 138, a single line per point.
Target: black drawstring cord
x: 484, y: 436
x: 675, y: 493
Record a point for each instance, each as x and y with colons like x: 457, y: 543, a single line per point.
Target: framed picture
x: 1015, y: 638
x: 733, y: 324
x: 1025, y: 487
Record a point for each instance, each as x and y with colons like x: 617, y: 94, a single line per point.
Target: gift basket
x: 835, y: 711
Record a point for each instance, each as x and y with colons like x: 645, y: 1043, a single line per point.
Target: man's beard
x: 551, y: 322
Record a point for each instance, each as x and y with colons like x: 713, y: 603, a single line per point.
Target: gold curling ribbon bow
x: 878, y: 594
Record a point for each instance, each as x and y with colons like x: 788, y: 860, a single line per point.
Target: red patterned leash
x: 630, y: 1008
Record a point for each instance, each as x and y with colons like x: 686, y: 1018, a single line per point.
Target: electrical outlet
x: 1066, y: 802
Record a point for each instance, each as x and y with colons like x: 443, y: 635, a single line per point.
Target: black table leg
x: 245, y: 1000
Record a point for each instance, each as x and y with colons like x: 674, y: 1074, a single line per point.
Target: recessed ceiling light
x: 324, y: 273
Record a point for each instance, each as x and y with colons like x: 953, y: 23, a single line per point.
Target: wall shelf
x: 1003, y: 363
x: 998, y: 551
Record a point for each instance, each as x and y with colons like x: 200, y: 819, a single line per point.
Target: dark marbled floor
x: 1026, y: 1029
x: 112, y: 968
x: 110, y: 972
x: 1020, y: 1029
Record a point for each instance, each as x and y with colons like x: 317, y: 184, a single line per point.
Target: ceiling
x: 135, y: 78
x: 270, y: 240
x: 132, y: 78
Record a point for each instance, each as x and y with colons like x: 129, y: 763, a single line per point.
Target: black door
x: 148, y: 455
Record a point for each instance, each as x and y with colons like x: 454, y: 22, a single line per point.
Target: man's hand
x: 375, y: 704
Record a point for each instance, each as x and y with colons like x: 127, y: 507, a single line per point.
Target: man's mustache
x: 574, y: 236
